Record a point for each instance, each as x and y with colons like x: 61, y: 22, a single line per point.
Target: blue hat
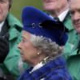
x: 39, y: 23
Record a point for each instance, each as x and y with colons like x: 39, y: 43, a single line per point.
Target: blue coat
x: 53, y: 70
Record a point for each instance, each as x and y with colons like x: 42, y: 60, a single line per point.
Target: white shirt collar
x: 39, y: 65
x: 63, y: 15
x: 1, y: 24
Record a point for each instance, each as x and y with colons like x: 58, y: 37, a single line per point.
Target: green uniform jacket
x: 13, y: 62
x: 72, y: 36
x: 70, y: 50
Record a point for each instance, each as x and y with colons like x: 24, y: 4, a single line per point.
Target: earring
x: 39, y: 53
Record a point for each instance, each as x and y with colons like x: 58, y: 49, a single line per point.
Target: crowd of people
x: 45, y: 46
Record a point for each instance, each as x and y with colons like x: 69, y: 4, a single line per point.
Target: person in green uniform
x: 73, y: 59
x: 60, y: 9
x: 11, y: 65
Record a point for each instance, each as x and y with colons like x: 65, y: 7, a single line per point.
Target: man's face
x: 50, y: 5
x: 4, y: 8
x: 75, y: 13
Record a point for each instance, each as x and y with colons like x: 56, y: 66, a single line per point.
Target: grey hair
x: 45, y: 45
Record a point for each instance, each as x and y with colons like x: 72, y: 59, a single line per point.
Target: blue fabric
x: 33, y: 18
x: 53, y: 70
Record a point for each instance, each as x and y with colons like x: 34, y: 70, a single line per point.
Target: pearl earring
x: 38, y: 53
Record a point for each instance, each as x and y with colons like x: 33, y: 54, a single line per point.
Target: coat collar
x: 44, y: 70
x: 15, y: 27
x: 68, y: 22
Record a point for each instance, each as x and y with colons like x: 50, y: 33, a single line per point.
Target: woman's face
x: 27, y: 50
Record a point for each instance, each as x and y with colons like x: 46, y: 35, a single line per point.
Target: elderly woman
x: 42, y: 43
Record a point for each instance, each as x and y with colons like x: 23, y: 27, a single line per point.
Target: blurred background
x: 19, y: 4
